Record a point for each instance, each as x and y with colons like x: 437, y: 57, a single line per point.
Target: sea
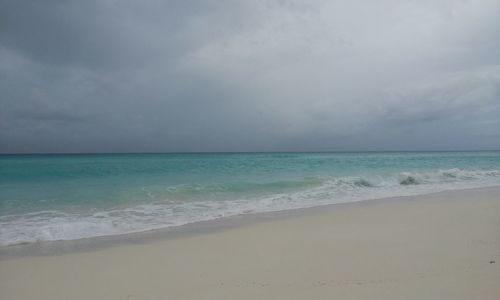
x: 74, y: 196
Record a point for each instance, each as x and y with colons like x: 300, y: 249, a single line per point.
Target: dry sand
x: 439, y: 246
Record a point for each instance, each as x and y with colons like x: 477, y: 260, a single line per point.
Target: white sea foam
x: 58, y: 225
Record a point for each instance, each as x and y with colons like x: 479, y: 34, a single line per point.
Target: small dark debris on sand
x: 492, y: 261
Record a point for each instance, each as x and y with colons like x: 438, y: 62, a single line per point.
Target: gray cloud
x: 207, y: 75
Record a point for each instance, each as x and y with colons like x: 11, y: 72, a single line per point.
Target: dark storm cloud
x: 206, y: 75
x: 94, y: 34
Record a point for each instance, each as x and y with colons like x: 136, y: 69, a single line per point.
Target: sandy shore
x: 440, y: 246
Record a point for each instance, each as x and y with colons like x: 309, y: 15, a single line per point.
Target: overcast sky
x: 249, y: 75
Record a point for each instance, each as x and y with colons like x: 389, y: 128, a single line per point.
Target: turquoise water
x: 63, y: 197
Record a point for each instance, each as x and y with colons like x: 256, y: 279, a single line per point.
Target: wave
x: 164, y: 212
x: 231, y: 188
x: 408, y: 180
x: 446, y: 176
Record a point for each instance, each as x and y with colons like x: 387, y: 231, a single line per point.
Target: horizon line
x: 241, y: 152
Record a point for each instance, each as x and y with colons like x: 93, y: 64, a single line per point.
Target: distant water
x: 65, y: 197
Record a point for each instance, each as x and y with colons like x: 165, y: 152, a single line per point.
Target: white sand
x: 435, y: 247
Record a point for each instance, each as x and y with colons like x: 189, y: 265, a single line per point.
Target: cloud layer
x: 120, y: 76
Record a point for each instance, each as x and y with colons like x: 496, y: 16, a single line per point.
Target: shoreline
x: 437, y: 246
x: 60, y: 247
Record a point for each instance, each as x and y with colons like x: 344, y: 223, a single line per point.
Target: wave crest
x: 409, y: 180
x: 278, y: 195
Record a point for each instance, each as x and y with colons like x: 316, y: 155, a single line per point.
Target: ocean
x: 74, y: 196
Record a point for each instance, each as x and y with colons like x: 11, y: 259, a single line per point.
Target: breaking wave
x: 183, y: 204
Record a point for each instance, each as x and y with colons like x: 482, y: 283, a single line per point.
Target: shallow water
x: 64, y: 197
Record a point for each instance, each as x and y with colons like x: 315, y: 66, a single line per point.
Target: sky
x: 249, y: 75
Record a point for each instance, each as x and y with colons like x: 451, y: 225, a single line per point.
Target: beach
x: 438, y: 246
x: 249, y: 150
